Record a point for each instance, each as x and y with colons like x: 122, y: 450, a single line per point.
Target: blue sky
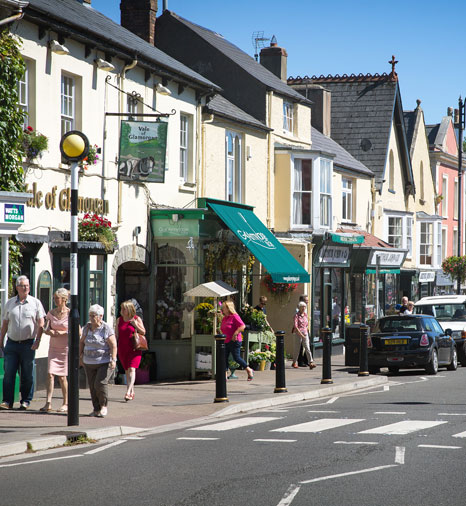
x: 344, y: 37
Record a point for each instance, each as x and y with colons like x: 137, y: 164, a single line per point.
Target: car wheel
x: 374, y: 370
x: 394, y: 370
x: 453, y: 365
x: 432, y: 367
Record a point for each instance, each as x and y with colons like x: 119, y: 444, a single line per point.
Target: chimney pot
x: 274, y: 58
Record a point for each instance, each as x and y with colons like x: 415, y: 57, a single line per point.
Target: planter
x: 163, y: 335
x: 142, y: 376
x: 262, y: 365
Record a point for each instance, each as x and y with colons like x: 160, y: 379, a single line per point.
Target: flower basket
x: 34, y: 143
x: 278, y: 289
x: 97, y: 228
x: 92, y: 157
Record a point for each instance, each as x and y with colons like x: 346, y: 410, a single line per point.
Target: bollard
x: 221, y: 370
x: 327, y: 356
x: 280, y: 385
x: 363, y: 360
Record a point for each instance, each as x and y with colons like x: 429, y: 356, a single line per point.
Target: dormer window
x: 288, y: 117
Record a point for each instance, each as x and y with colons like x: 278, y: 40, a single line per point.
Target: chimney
x: 321, y: 108
x: 274, y: 58
x: 138, y: 16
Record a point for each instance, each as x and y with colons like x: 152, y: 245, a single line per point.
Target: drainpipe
x: 203, y: 175
x: 374, y: 199
x: 165, y: 5
x: 269, y: 161
x: 15, y: 17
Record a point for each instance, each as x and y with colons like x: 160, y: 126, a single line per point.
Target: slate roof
x: 410, y: 124
x: 342, y: 158
x: 370, y: 240
x: 81, y: 21
x: 437, y: 133
x: 221, y: 106
x: 363, y: 108
x: 241, y: 58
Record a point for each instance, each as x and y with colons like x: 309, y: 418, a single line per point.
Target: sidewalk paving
x: 169, y: 405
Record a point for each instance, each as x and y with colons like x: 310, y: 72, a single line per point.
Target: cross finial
x: 393, y: 62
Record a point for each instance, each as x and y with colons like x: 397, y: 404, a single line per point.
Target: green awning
x: 280, y: 264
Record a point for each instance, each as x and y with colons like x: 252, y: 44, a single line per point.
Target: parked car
x: 411, y: 342
x: 450, y: 312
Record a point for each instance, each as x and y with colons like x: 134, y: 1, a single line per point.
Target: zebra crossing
x: 319, y: 425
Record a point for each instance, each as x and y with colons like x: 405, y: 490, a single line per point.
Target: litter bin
x: 1, y: 381
x: 352, y: 340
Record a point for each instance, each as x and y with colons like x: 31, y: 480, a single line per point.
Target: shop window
x: 302, y: 192
x: 44, y: 290
x: 64, y: 273
x: 96, y: 279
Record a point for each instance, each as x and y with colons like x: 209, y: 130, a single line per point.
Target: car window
x: 430, y: 310
x: 398, y: 325
x: 445, y: 312
x: 428, y: 325
x: 437, y: 326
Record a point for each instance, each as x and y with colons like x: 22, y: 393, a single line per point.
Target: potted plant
x: 143, y: 372
x: 204, y: 320
x: 258, y: 360
x: 34, y: 143
x: 97, y: 228
x: 254, y: 318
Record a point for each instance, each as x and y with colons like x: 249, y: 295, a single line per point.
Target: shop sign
x: 387, y: 258
x: 443, y: 279
x: 334, y: 255
x: 143, y: 148
x: 346, y: 238
x: 12, y: 213
x: 170, y: 228
x: 426, y: 276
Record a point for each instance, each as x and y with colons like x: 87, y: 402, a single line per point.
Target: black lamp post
x: 74, y: 147
x: 460, y: 125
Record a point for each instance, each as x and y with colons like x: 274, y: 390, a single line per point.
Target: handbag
x: 139, y: 342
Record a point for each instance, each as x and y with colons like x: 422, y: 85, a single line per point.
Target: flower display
x: 254, y: 318
x: 456, y: 267
x: 92, y: 157
x: 96, y: 228
x: 278, y: 288
x: 34, y: 143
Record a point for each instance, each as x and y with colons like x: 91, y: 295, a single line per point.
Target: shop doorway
x: 132, y: 282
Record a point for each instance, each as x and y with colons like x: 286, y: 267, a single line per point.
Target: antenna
x: 258, y: 42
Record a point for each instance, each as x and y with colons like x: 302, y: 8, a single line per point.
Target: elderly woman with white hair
x: 98, y: 352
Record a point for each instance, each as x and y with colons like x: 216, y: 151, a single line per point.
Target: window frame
x: 23, y: 82
x: 347, y: 199
x: 184, y: 147
x: 233, y: 178
x: 298, y: 168
x: 66, y: 119
x: 389, y: 235
x: 325, y: 192
x: 288, y: 116
x: 426, y: 246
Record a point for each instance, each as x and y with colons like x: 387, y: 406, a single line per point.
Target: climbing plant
x: 12, y: 68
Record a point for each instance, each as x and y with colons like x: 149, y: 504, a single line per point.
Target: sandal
x: 47, y: 408
x: 251, y: 376
x: 312, y: 365
x: 63, y: 409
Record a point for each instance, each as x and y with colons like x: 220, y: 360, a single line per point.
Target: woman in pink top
x: 232, y: 326
x: 56, y: 326
x: 301, y: 335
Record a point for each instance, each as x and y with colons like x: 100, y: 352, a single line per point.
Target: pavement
x: 163, y: 406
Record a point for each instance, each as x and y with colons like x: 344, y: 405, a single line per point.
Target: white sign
x: 334, y: 255
x: 426, y: 276
x: 387, y: 258
x: 258, y: 238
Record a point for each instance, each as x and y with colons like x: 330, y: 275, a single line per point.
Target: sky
x: 345, y: 37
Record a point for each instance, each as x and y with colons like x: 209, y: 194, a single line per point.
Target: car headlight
x: 456, y: 334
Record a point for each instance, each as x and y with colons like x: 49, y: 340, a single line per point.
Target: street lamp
x: 460, y: 114
x: 74, y: 147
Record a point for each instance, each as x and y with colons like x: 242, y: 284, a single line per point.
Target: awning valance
x: 280, y: 264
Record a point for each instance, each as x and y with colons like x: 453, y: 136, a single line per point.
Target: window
x: 184, y: 136
x: 444, y: 242
x: 302, y: 192
x: 391, y: 173
x: 67, y: 104
x: 23, y: 95
x: 425, y: 244
x: 409, y: 236
x: 439, y: 243
x: 455, y: 200
x: 455, y: 241
x: 395, y: 229
x: 325, y: 193
x: 445, y: 196
x: 233, y: 167
x: 347, y: 196
x: 288, y: 116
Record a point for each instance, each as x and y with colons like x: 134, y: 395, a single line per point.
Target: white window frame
x: 347, y: 186
x: 398, y: 242
x: 444, y: 242
x: 23, y: 94
x: 68, y: 103
x: 445, y: 195
x: 426, y: 243
x: 455, y: 241
x: 233, y: 167
x: 298, y: 192
x: 455, y: 199
x: 409, y: 236
x: 325, y: 186
x: 184, y: 147
x: 438, y: 243
x: 288, y: 116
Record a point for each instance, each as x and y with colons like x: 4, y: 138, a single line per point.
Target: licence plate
x: 396, y: 341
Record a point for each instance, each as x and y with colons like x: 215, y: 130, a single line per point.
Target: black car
x: 411, y: 342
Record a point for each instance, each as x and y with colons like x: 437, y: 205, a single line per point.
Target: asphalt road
x: 404, y: 444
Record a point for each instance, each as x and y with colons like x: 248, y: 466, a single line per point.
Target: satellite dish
x: 365, y: 144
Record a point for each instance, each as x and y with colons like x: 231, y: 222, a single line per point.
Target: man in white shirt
x: 23, y: 320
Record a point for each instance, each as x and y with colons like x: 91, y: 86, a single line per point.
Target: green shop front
x: 217, y: 240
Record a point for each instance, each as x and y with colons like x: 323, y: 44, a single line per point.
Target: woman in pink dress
x: 130, y: 359
x: 56, y: 326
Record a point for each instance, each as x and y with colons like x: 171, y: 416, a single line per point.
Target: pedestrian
x: 336, y: 313
x: 404, y: 304
x: 98, y: 352
x: 261, y: 307
x: 301, y: 336
x: 409, y: 308
x: 23, y: 322
x: 233, y: 326
x: 130, y: 359
x: 302, y: 358
x: 56, y: 326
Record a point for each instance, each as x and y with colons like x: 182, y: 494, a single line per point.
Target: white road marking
x: 275, y: 410
x: 332, y: 476
x: 332, y: 400
x: 400, y: 455
x: 236, y: 424
x: 441, y: 446
x: 386, y: 388
x: 289, y: 496
x: 133, y: 438
x: 390, y: 413
x: 199, y: 438
x: 460, y: 434
x: 402, y: 428
x: 40, y: 461
x: 319, y: 425
x: 451, y: 414
x: 106, y: 447
x: 355, y: 443
x: 276, y: 440
x: 321, y: 411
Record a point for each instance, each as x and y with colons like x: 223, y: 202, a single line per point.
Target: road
x: 402, y: 444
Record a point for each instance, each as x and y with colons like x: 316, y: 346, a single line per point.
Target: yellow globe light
x: 74, y: 146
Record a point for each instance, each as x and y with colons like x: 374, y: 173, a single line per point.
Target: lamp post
x: 460, y: 125
x: 74, y: 147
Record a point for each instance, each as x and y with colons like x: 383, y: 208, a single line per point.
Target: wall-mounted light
x: 163, y: 90
x: 58, y: 48
x: 104, y: 64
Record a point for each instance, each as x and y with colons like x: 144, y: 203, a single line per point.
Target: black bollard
x: 327, y: 356
x: 363, y: 360
x: 280, y: 385
x: 221, y: 370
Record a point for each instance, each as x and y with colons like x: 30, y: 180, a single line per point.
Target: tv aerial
x: 258, y: 42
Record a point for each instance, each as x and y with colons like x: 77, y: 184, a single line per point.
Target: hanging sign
x: 143, y: 148
x: 334, y: 255
x: 387, y: 258
x: 12, y: 213
x: 426, y: 276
